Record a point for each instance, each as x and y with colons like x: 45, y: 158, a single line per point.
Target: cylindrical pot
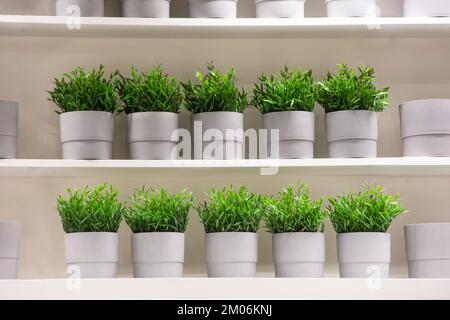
x: 212, y: 8
x: 151, y: 135
x: 280, y: 8
x: 428, y: 250
x: 364, y: 254
x: 428, y: 8
x: 158, y: 254
x: 231, y: 254
x: 9, y: 249
x: 92, y: 254
x: 296, y: 134
x: 352, y: 134
x: 87, y: 135
x: 352, y: 8
x: 83, y: 8
x: 146, y: 8
x: 299, y: 254
x: 9, y: 123
x: 425, y: 129
x: 220, y: 137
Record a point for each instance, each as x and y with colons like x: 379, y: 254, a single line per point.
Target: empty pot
x: 428, y: 8
x: 9, y: 124
x: 146, y: 8
x: 9, y: 249
x: 352, y: 8
x: 212, y: 8
x: 280, y: 8
x: 81, y: 8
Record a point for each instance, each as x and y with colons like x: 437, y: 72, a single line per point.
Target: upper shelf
x: 224, y: 28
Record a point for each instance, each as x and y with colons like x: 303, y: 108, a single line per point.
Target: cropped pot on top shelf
x: 87, y: 103
x: 361, y: 221
x: 280, y: 8
x: 287, y: 103
x: 428, y: 8
x: 351, y: 102
x: 352, y: 8
x: 9, y: 249
x: 9, y: 129
x: 152, y: 102
x: 83, y: 8
x: 91, y: 219
x: 145, y: 8
x: 217, y: 105
x: 212, y: 8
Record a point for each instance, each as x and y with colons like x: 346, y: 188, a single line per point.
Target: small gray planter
x: 158, y: 254
x: 87, y: 135
x: 88, y: 8
x: 9, y: 249
x: 352, y: 8
x: 428, y: 250
x: 146, y: 8
x: 352, y: 134
x: 222, y: 135
x: 151, y: 135
x: 429, y: 8
x: 364, y: 254
x: 299, y: 254
x: 92, y: 254
x: 425, y: 129
x: 212, y: 8
x: 231, y: 254
x: 9, y: 123
x: 280, y: 8
x: 296, y: 134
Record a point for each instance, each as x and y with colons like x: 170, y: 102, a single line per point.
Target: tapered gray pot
x: 87, y: 8
x: 364, y: 254
x: 352, y: 134
x: 212, y: 8
x: 352, y: 8
x: 152, y: 135
x: 87, y: 135
x: 280, y: 8
x: 158, y: 254
x: 9, y: 123
x: 9, y: 249
x: 146, y: 8
x: 296, y: 134
x: 428, y: 250
x: 231, y: 254
x: 425, y: 129
x: 92, y: 254
x: 428, y: 8
x: 299, y: 254
x: 218, y: 135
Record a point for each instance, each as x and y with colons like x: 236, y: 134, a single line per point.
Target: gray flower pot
x: 221, y: 136
x: 87, y: 135
x: 425, y: 129
x: 151, y: 135
x: 296, y: 134
x: 158, y: 254
x: 299, y: 254
x: 428, y: 250
x: 231, y: 254
x: 92, y: 254
x: 428, y: 8
x: 9, y: 123
x: 146, y: 8
x: 352, y: 134
x: 364, y: 254
x: 352, y: 8
x: 280, y: 8
x: 9, y: 249
x: 88, y: 8
x: 212, y: 8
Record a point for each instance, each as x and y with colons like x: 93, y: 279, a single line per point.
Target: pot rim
x: 427, y: 224
x: 87, y: 111
x: 153, y: 112
x: 209, y: 112
x: 286, y: 111
x: 10, y: 222
x: 258, y: 1
x: 158, y: 232
x: 93, y: 232
x: 231, y: 232
x: 424, y: 100
x: 296, y: 232
x: 8, y: 100
x: 351, y: 111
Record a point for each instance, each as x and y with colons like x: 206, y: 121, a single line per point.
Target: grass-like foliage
x: 215, y: 91
x: 348, y: 90
x: 158, y: 211
x: 151, y: 91
x: 85, y: 91
x: 289, y: 91
x: 294, y: 211
x: 371, y: 210
x: 91, y: 210
x: 231, y: 210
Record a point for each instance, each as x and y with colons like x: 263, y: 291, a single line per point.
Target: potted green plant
x: 287, y: 104
x: 361, y: 221
x: 87, y: 103
x: 429, y: 8
x: 146, y: 8
x: 9, y: 129
x: 152, y: 102
x: 91, y: 219
x: 351, y: 102
x: 231, y: 219
x: 280, y: 9
x: 217, y: 105
x: 83, y: 8
x: 212, y: 8
x: 297, y: 225
x: 158, y: 221
x: 9, y: 249
x: 352, y: 8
